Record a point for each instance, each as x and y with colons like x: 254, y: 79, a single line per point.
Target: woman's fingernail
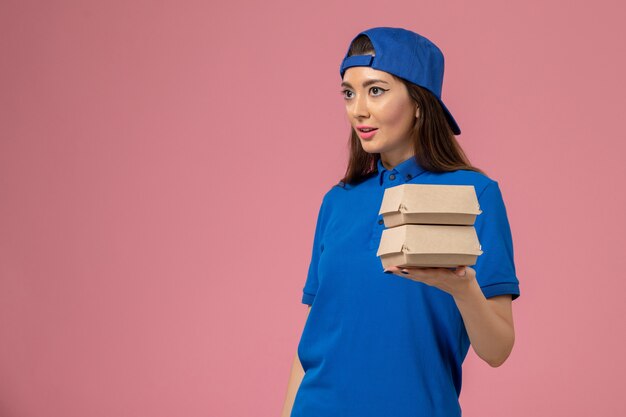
x: 404, y: 272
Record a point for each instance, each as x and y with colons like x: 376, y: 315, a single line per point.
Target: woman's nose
x: 360, y: 107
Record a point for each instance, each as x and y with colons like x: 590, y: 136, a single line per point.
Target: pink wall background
x: 160, y: 178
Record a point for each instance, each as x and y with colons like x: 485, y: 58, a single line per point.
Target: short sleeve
x: 495, y: 267
x: 310, y: 287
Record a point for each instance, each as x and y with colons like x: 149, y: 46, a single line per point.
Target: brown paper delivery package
x: 429, y: 225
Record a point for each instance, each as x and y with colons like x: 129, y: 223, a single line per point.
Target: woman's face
x: 374, y: 98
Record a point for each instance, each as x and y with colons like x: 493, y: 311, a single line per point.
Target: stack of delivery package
x: 429, y: 225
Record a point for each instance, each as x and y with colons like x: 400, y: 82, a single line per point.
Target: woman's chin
x: 370, y: 147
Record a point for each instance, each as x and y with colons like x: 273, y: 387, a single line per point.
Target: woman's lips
x: 367, y: 135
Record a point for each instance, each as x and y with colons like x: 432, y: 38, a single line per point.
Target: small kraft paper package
x: 429, y: 225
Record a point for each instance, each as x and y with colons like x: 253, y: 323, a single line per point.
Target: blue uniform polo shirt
x: 376, y: 344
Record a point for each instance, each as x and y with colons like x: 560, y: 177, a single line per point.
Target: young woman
x: 391, y: 343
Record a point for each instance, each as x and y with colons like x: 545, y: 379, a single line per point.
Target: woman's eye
x: 346, y: 93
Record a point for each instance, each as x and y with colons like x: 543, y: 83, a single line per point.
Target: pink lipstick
x: 366, y: 132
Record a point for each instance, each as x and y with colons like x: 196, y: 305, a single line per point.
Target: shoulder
x: 363, y: 182
x: 488, y: 193
x: 480, y: 181
x: 342, y: 194
x: 332, y: 193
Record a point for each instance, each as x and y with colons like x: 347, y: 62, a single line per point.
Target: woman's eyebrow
x: 365, y: 83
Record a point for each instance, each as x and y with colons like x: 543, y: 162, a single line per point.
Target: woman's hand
x: 455, y: 282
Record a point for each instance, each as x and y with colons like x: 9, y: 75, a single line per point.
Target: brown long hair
x: 435, y: 146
